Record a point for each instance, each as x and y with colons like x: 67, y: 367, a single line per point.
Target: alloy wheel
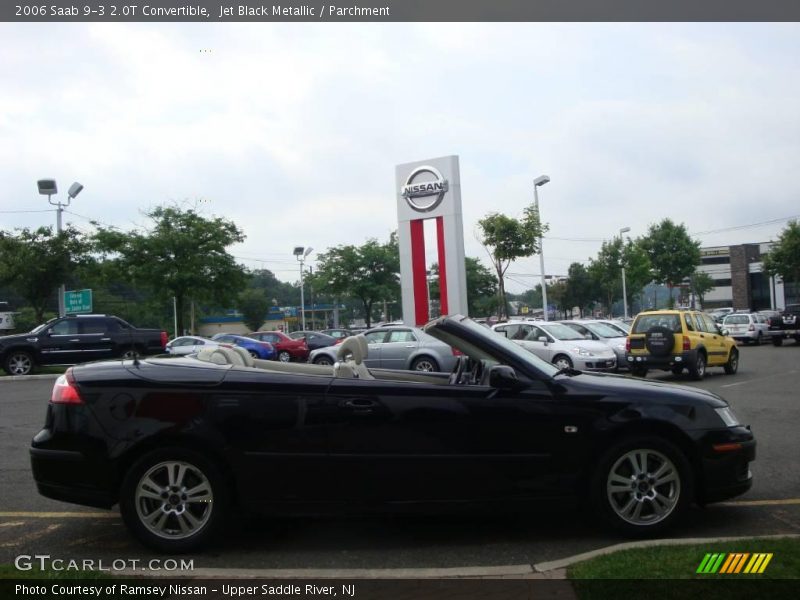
x: 174, y: 500
x: 284, y: 356
x: 19, y: 364
x: 424, y: 365
x: 643, y: 487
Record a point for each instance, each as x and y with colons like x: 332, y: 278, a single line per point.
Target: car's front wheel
x: 733, y: 362
x: 174, y: 500
x: 284, y: 356
x: 562, y: 362
x: 18, y: 362
x: 642, y: 485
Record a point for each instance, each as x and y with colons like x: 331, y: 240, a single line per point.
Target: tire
x: 19, y: 362
x: 698, y: 370
x: 323, y: 360
x: 562, y: 361
x: 174, y: 532
x: 284, y: 356
x: 630, y: 498
x: 777, y: 340
x: 758, y: 339
x: 733, y: 362
x: 676, y: 370
x: 425, y: 364
x: 639, y: 371
x: 254, y: 354
x: 128, y: 353
x: 659, y: 341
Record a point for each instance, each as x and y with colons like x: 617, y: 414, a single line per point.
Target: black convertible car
x: 181, y: 443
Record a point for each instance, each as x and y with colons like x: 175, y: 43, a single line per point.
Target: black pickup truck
x: 786, y: 326
x: 75, y: 339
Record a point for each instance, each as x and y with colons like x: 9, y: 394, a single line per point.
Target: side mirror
x: 503, y: 377
x: 725, y: 332
x: 542, y: 338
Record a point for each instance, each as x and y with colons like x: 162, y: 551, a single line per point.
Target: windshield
x: 737, y: 320
x: 561, y: 332
x: 476, y: 353
x: 646, y: 322
x: 39, y: 328
x: 603, y: 330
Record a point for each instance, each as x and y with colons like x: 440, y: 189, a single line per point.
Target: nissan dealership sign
x: 424, y: 189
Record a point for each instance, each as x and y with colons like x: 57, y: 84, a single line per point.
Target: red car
x: 287, y: 349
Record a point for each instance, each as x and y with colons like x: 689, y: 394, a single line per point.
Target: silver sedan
x: 601, y: 332
x: 188, y: 344
x: 397, y: 347
x: 561, y: 345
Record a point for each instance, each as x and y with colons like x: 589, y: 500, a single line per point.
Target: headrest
x: 356, y: 346
x: 249, y: 361
x: 221, y: 355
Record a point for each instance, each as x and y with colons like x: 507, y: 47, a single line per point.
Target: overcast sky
x: 293, y: 130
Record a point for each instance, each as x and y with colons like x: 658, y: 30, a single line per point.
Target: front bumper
x: 594, y: 363
x: 725, y: 464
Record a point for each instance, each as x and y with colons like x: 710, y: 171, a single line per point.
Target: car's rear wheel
x: 562, y: 361
x: 642, y: 485
x: 639, y: 371
x: 253, y: 353
x: 698, y: 369
x: 18, y: 362
x: 174, y: 500
x: 284, y: 356
x: 323, y: 360
x: 128, y: 353
x: 424, y: 363
x: 733, y: 362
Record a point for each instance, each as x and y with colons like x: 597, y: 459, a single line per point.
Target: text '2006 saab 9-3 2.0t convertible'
x: 182, y: 443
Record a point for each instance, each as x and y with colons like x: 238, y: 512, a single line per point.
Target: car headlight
x: 581, y: 352
x: 727, y: 416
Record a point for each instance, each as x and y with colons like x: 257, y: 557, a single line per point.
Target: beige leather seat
x: 350, y: 358
x: 222, y: 355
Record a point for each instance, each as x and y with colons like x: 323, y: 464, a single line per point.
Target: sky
x: 293, y: 130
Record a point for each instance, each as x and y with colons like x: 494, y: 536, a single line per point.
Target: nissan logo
x: 424, y: 196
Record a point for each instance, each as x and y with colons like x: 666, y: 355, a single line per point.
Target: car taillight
x: 751, y: 328
x: 65, y: 391
x: 339, y: 341
x: 687, y: 345
x: 627, y: 344
x: 164, y: 339
x: 457, y: 352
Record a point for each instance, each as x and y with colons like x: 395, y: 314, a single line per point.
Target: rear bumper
x: 661, y: 362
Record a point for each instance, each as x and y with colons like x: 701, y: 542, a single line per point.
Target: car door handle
x: 410, y: 346
x: 360, y: 405
x: 75, y: 340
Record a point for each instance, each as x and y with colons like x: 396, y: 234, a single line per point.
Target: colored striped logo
x: 734, y: 563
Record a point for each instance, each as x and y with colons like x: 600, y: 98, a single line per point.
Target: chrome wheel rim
x: 562, y: 363
x: 20, y: 364
x: 701, y: 366
x: 174, y: 500
x: 254, y: 354
x: 128, y: 354
x: 734, y: 361
x: 643, y: 487
x: 284, y: 357
x: 326, y: 362
x: 424, y: 365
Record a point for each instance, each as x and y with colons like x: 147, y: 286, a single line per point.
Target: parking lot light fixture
x: 537, y: 183
x: 301, y: 254
x: 624, y: 291
x: 49, y: 188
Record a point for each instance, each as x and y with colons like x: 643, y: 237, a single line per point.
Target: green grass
x: 681, y: 562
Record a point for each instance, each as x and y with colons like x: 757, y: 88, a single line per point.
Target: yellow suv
x: 679, y: 339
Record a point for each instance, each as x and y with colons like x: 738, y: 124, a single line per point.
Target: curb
x: 563, y: 563
x: 30, y: 377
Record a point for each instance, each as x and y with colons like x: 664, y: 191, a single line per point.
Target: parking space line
x: 784, y: 502
x: 31, y: 536
x: 59, y: 515
x: 792, y: 372
x: 12, y: 524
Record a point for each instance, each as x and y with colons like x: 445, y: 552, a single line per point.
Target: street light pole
x: 540, y: 181
x: 301, y: 253
x: 624, y: 291
x: 48, y: 187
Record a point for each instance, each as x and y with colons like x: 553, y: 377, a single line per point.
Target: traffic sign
x: 79, y: 301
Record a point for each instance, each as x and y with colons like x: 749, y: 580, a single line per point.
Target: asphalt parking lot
x: 764, y: 394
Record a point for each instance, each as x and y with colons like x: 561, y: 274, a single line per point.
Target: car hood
x: 18, y: 337
x: 590, y: 345
x: 608, y: 385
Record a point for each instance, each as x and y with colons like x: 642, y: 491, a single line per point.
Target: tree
x: 783, y: 259
x: 481, y: 287
x: 701, y: 283
x: 369, y: 272
x: 284, y: 294
x: 35, y: 261
x: 254, y: 305
x: 506, y: 240
x: 672, y: 253
x: 638, y: 270
x: 182, y: 256
x: 580, y: 287
x: 606, y: 272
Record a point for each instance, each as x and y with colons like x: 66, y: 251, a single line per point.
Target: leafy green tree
x: 605, y: 272
x: 506, y: 240
x: 580, y: 286
x: 481, y: 287
x: 253, y: 304
x: 35, y: 261
x: 638, y: 270
x: 784, y: 258
x: 282, y: 293
x: 672, y: 253
x: 369, y: 272
x: 557, y: 294
x: 183, y: 255
x: 701, y: 284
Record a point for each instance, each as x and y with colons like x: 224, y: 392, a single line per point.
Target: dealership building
x: 740, y: 280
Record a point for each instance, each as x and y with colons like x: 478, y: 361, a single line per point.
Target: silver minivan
x: 558, y: 344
